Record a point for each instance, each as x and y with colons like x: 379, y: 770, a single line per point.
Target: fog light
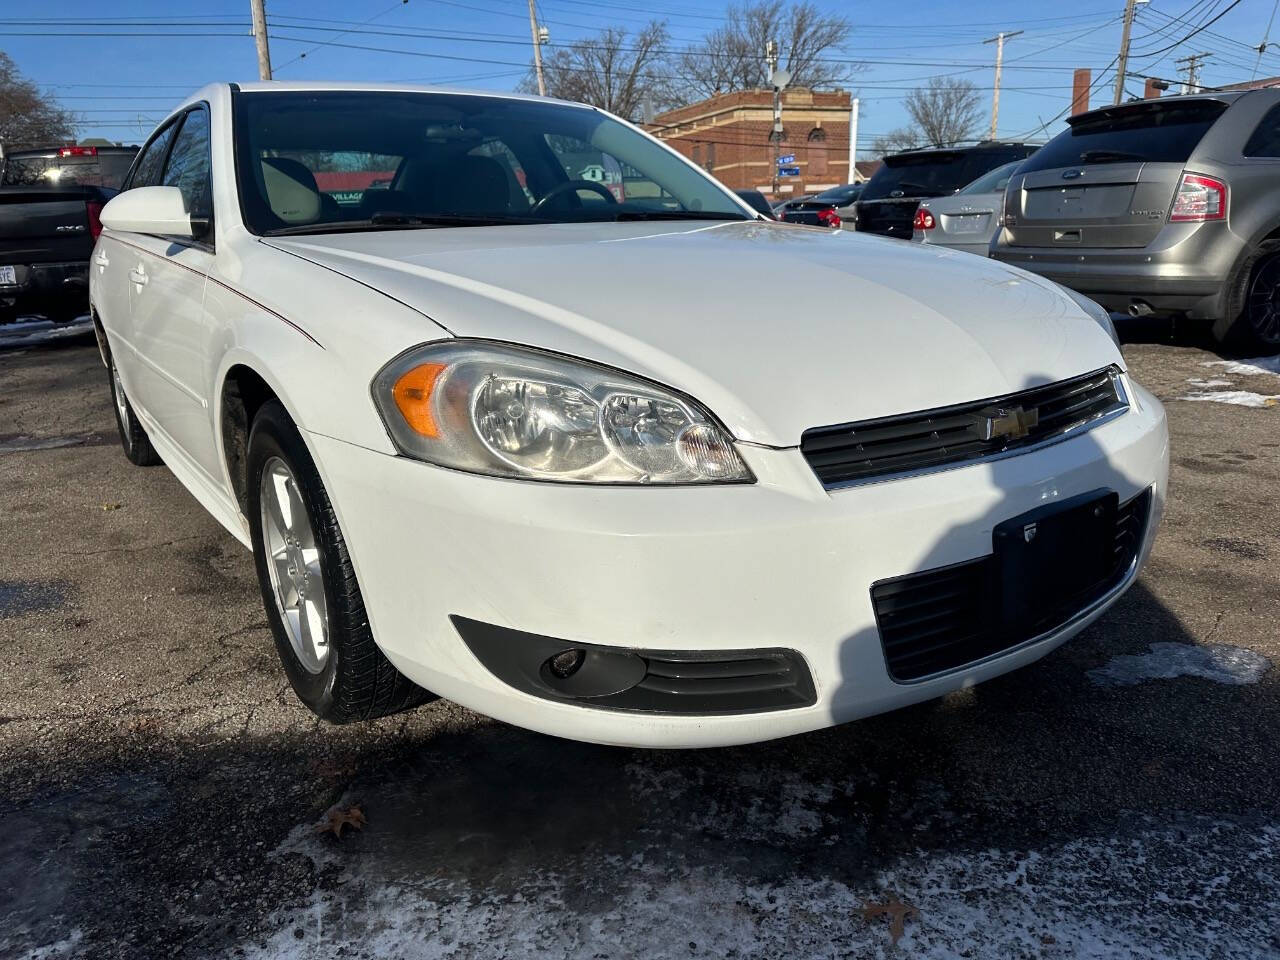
x: 565, y: 665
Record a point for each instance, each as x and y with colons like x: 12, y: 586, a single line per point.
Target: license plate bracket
x: 1049, y: 558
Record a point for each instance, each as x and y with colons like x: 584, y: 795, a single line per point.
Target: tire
x: 1253, y: 326
x: 136, y: 443
x: 322, y: 635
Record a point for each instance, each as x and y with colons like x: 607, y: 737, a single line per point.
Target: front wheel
x: 309, y: 587
x: 1256, y: 329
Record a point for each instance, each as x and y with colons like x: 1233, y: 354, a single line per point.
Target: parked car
x: 968, y: 219
x: 1169, y: 206
x: 888, y: 202
x: 785, y: 205
x: 826, y: 209
x: 501, y: 436
x: 757, y: 202
x: 50, y: 201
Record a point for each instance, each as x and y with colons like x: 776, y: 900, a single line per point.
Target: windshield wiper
x: 1109, y: 156
x: 677, y: 215
x: 396, y: 221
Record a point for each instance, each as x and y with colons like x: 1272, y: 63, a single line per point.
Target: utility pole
x: 853, y: 141
x: 1193, y: 71
x: 771, y: 58
x: 1122, y: 61
x: 998, y: 40
x: 537, y: 49
x: 260, y: 38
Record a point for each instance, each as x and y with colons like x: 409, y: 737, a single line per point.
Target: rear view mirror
x: 156, y: 210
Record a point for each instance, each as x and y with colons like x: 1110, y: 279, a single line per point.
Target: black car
x: 889, y: 199
x: 49, y: 206
x: 757, y: 202
x: 826, y: 209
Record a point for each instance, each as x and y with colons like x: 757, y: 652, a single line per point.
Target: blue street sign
x: 789, y: 158
x: 788, y: 171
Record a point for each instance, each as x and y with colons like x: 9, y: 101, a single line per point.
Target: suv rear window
x: 104, y: 170
x: 1148, y: 133
x: 937, y: 172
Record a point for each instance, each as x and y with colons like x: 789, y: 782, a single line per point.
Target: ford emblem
x: 1072, y: 174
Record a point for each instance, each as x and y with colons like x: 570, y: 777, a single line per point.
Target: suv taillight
x: 924, y: 220
x: 829, y: 216
x: 94, y: 210
x: 1199, y: 198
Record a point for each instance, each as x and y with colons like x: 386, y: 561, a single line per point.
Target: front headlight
x: 514, y: 412
x: 1096, y: 310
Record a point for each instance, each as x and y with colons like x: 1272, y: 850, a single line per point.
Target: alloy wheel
x: 294, y: 565
x: 122, y: 403
x: 1263, y: 303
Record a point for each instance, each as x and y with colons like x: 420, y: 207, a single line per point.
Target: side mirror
x: 157, y: 210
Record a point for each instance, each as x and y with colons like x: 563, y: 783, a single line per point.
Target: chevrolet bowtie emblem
x: 1012, y: 423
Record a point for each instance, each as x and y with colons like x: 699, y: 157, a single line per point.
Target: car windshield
x: 993, y: 182
x: 312, y: 162
x: 1152, y: 132
x: 97, y: 170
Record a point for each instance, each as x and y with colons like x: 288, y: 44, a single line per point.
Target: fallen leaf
x: 112, y: 506
x: 896, y: 910
x: 337, y: 819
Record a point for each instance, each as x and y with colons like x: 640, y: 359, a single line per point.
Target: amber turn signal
x: 412, y: 394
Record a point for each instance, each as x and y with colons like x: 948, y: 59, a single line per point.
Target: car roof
x: 347, y: 86
x: 53, y: 151
x: 964, y: 148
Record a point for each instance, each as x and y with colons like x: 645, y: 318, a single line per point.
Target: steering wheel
x: 574, y: 186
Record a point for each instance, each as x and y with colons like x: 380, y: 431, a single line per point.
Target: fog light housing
x: 565, y: 664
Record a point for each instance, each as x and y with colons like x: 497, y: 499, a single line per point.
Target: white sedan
x: 632, y: 466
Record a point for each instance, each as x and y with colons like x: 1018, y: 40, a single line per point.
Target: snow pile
x: 1217, y: 662
x: 1259, y: 366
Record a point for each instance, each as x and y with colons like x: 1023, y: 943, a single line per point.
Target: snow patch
x: 1217, y: 662
x: 1241, y: 398
x: 1074, y: 899
x: 1198, y: 382
x: 1247, y: 368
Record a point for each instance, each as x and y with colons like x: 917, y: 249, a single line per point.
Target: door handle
x: 138, y: 276
x: 101, y: 259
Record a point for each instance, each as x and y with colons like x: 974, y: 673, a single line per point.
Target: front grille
x: 853, y: 452
x: 942, y: 619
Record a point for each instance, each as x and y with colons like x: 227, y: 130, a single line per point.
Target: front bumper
x: 782, y: 563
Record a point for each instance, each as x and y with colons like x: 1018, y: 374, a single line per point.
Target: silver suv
x: 1160, y: 206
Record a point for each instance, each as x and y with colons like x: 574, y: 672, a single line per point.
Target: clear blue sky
x: 121, y: 84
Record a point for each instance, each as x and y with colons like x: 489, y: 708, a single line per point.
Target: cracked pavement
x: 162, y: 785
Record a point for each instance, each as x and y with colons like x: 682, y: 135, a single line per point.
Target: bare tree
x: 614, y: 70
x: 732, y: 56
x: 944, y: 112
x: 28, y: 117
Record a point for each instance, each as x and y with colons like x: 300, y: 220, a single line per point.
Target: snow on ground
x: 1241, y: 398
x: 1259, y: 366
x: 1217, y: 662
x: 1215, y: 882
x: 1247, y: 368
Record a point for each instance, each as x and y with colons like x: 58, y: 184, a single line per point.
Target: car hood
x: 774, y: 328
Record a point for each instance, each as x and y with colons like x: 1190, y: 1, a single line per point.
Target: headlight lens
x: 1097, y: 311
x: 513, y: 412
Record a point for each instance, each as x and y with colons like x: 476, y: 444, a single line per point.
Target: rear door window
x: 1143, y: 133
x: 1265, y: 139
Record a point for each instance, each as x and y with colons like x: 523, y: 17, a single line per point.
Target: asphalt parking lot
x: 163, y: 787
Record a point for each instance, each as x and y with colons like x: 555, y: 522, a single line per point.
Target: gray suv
x: 1160, y: 206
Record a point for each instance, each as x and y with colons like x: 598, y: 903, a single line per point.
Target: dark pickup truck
x: 50, y: 201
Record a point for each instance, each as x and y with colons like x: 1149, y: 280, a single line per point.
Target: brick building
x: 728, y: 135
